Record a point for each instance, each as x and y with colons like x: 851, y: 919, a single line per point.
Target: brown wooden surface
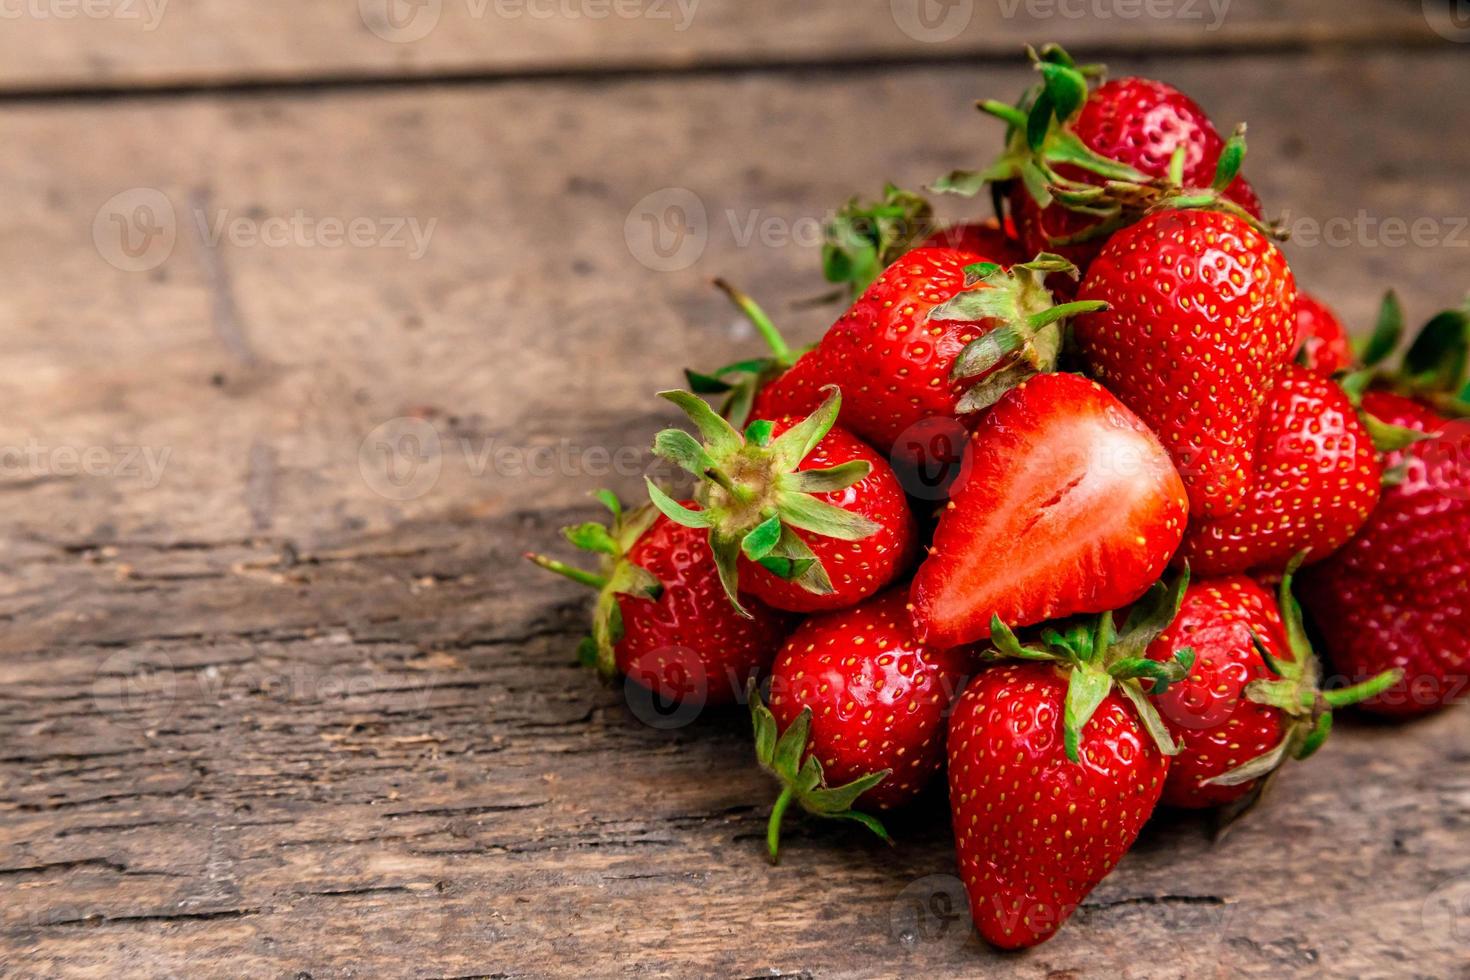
x: 260, y: 717
x: 150, y: 43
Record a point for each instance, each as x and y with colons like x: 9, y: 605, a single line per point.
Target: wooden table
x: 278, y: 697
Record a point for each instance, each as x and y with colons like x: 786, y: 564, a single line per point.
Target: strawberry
x: 1251, y: 699
x: 863, y: 239
x: 1054, y: 766
x: 874, y: 701
x: 1397, y: 595
x: 662, y: 618
x: 1070, y: 506
x: 938, y: 321
x: 1317, y: 479
x: 989, y: 238
x: 810, y: 517
x: 786, y: 382
x: 1200, y: 320
x: 1078, y: 166
x: 1322, y: 343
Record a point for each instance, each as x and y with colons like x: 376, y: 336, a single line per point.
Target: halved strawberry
x: 1070, y: 505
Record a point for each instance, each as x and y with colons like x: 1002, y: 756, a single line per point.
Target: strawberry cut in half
x: 1071, y: 505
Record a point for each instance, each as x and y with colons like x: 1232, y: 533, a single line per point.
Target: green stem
x: 1345, y: 696
x: 1038, y: 320
x: 562, y: 568
x: 773, y: 826
x: 1010, y: 114
x: 719, y: 476
x: 780, y: 350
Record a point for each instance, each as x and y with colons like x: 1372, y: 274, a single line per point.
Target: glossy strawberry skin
x: 1322, y: 342
x: 878, y: 696
x: 1317, y: 479
x: 796, y: 393
x: 1201, y: 320
x: 858, y: 569
x: 1397, y: 594
x: 1070, y: 505
x: 891, y: 361
x: 1035, y: 832
x: 1138, y: 122
x: 690, y: 643
x: 989, y: 238
x: 1208, y: 714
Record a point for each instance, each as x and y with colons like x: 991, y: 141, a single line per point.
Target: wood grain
x: 269, y: 712
x: 49, y: 45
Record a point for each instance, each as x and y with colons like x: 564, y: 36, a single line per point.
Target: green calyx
x: 1436, y: 367
x: 1039, y: 140
x: 616, y: 575
x: 752, y: 495
x: 739, y: 382
x: 1027, y: 328
x: 864, y: 238
x: 1294, y: 688
x: 1099, y: 658
x: 802, y: 780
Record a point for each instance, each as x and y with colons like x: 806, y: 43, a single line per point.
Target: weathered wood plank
x: 51, y: 44
x: 259, y: 717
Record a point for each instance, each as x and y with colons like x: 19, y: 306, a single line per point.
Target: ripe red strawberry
x: 864, y: 238
x: 1317, y: 478
x: 1397, y: 594
x: 1070, y: 506
x: 874, y: 700
x: 1053, y: 769
x: 1322, y: 343
x: 806, y: 514
x: 921, y: 341
x: 1200, y: 320
x: 662, y: 618
x: 1251, y: 699
x: 795, y: 393
x: 1081, y: 165
x: 989, y: 238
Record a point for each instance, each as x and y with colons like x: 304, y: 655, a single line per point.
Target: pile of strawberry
x: 959, y: 532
